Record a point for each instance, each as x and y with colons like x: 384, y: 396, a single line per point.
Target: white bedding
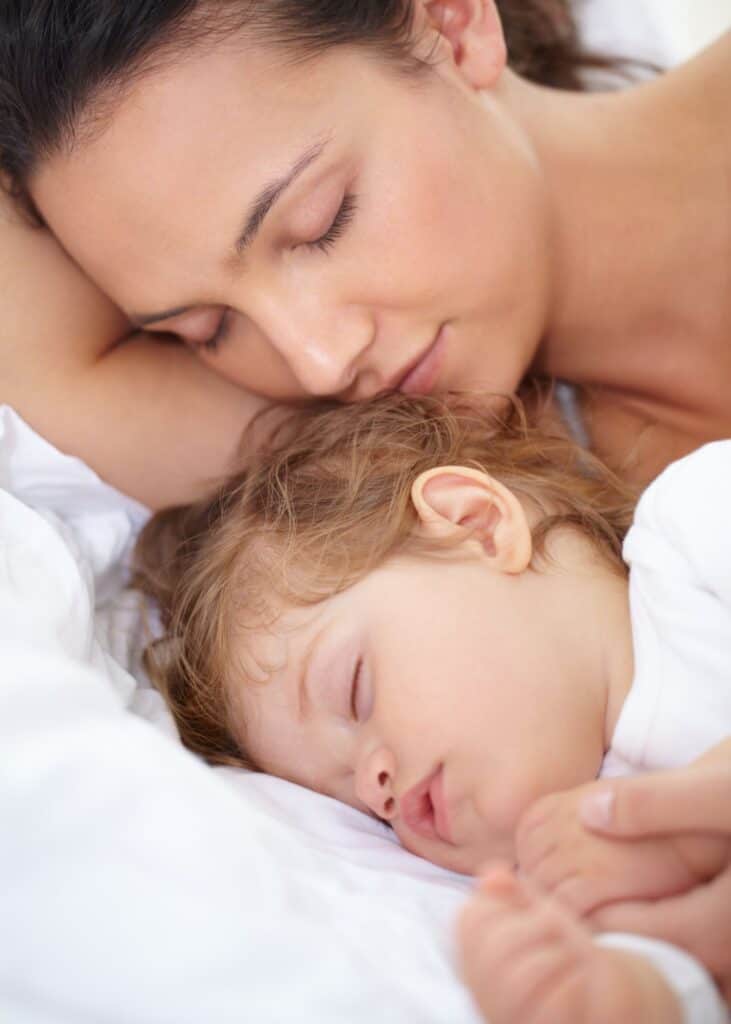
x: 140, y: 885
x: 662, y: 31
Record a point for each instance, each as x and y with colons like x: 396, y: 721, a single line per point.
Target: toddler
x: 419, y: 606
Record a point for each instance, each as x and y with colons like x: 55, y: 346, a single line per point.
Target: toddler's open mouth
x: 424, y: 808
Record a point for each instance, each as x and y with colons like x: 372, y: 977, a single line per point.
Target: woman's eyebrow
x: 271, y: 192
x: 255, y: 217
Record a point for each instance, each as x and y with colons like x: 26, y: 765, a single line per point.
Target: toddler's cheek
x: 506, y: 815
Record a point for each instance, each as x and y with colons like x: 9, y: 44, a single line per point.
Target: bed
x: 140, y: 885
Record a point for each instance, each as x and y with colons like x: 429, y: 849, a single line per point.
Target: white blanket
x: 140, y: 885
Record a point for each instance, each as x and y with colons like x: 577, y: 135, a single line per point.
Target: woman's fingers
x: 699, y: 921
x: 694, y: 799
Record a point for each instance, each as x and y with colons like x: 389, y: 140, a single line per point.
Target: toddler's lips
x: 424, y: 808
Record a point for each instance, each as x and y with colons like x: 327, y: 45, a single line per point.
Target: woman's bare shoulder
x: 705, y: 82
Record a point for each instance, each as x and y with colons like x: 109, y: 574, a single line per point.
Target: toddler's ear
x: 452, y: 499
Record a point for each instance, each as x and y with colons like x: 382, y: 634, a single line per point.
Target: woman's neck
x: 640, y: 187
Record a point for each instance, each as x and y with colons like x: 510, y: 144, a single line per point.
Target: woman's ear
x: 451, y: 500
x: 473, y: 31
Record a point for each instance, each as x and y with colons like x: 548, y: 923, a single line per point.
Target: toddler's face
x: 440, y: 695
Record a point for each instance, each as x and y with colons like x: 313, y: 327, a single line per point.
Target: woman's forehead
x: 166, y: 187
x: 217, y: 106
x: 182, y: 158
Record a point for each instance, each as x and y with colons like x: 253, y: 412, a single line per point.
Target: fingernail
x: 596, y: 809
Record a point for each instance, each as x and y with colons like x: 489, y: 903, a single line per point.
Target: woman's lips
x: 424, y: 808
x: 422, y: 377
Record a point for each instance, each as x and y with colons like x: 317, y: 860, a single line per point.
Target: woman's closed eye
x: 200, y: 329
x: 324, y: 243
x: 339, y: 223
x: 212, y: 343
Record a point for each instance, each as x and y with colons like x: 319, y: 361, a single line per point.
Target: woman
x: 339, y: 203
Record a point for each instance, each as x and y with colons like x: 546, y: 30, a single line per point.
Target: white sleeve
x: 679, y: 554
x: 691, y: 982
x: 683, y: 522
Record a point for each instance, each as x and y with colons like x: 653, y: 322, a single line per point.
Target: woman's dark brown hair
x: 63, y: 63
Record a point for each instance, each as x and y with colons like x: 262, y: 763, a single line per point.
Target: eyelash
x: 342, y: 219
x: 354, y: 689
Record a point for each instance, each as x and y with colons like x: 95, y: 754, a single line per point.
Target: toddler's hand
x: 527, y: 958
x: 586, y: 871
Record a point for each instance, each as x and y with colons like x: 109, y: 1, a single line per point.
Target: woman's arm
x: 144, y: 413
x: 694, y: 801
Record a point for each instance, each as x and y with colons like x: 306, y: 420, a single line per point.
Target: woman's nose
x: 374, y: 782
x: 325, y: 351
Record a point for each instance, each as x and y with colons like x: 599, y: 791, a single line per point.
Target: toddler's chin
x: 465, y: 860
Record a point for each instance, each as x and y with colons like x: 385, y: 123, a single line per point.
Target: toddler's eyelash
x: 342, y: 218
x: 354, y: 689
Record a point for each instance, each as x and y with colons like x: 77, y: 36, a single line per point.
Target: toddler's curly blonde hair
x: 324, y: 501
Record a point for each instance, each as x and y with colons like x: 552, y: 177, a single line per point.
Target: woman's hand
x: 688, y: 803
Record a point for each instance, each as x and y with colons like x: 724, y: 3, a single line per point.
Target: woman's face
x: 315, y: 228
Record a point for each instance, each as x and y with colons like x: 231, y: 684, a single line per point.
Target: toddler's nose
x: 374, y: 781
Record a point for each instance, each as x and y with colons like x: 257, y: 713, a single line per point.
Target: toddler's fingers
x: 498, y: 881
x: 496, y: 864
x: 476, y: 922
